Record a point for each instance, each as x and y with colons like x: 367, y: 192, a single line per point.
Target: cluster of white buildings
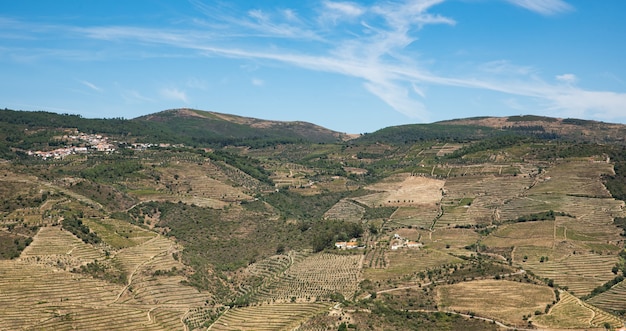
x: 86, y: 143
x: 352, y: 244
x: 398, y: 242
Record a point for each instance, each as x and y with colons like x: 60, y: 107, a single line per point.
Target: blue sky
x: 349, y: 66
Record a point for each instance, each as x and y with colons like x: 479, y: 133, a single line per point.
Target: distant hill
x: 476, y: 128
x: 568, y: 128
x: 27, y: 130
x: 209, y: 127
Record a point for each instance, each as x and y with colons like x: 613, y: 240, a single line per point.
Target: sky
x: 352, y: 67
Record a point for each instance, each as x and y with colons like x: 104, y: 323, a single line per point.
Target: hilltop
x: 226, y: 127
x: 188, y: 219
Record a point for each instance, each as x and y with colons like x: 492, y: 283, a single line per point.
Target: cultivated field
x: 580, y: 272
x: 572, y: 313
x: 539, y: 234
x: 409, y: 262
x: 59, y: 249
x: 505, y: 301
x: 41, y: 282
x: 611, y: 300
x: 315, y: 277
x: 417, y: 216
x: 345, y: 210
x: 404, y: 190
x: 284, y: 316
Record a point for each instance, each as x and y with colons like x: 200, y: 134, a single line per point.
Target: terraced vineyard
x: 539, y: 234
x: 158, y: 282
x: 268, y: 317
x: 261, y: 274
x: 310, y: 280
x: 345, y: 210
x: 41, y: 283
x: 60, y: 249
x: 580, y: 272
x: 570, y: 312
x: 418, y: 216
x: 611, y: 300
x: 46, y: 293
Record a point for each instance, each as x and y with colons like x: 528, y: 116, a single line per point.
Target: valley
x: 466, y: 225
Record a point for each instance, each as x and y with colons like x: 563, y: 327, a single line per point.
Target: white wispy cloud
x: 174, y: 94
x: 91, y: 85
x: 343, y: 9
x: 290, y: 15
x: 371, y: 45
x: 544, y: 7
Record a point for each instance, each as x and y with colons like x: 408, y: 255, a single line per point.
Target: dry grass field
x: 118, y: 234
x: 450, y: 240
x: 405, y: 190
x: 575, y: 178
x: 505, y: 301
x: 416, y: 216
x: 409, y: 262
x: 539, y: 234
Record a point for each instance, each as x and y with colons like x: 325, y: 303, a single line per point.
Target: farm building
x: 352, y: 244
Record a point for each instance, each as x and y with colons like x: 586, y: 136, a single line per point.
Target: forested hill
x: 25, y: 130
x: 212, y: 127
x: 480, y: 128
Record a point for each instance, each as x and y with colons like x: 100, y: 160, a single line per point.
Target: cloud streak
x: 543, y: 7
x: 91, y: 85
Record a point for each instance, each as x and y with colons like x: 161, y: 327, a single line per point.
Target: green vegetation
x: 549, y: 215
x: 246, y: 164
x: 409, y: 134
x: 222, y: 240
x: 620, y: 222
x: 324, y: 234
x: 80, y: 230
x: 110, y: 171
x: 604, y: 287
x: 379, y: 212
x: 103, y: 271
x: 12, y: 245
x: 492, y: 144
x: 305, y: 207
x: 382, y: 315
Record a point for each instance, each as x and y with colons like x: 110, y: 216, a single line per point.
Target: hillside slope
x: 211, y: 126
